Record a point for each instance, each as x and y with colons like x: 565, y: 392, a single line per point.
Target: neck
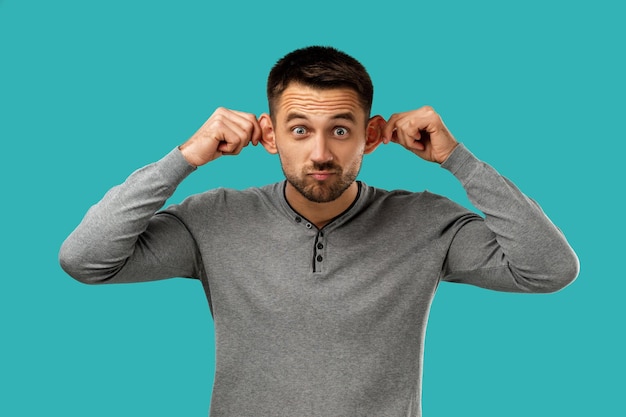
x: 320, y: 214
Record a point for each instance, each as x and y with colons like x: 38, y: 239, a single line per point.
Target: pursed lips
x: 321, y: 175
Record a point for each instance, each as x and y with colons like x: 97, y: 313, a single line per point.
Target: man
x: 319, y: 285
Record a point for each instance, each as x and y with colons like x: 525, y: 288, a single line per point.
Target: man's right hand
x: 226, y: 132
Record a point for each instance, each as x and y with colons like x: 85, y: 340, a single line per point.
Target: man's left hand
x: 422, y: 132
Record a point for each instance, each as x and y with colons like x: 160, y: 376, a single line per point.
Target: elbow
x: 559, y: 274
x: 566, y: 272
x: 75, y: 264
x: 559, y: 281
x: 72, y: 266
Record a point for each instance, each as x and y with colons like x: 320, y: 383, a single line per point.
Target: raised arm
x: 123, y: 238
x: 516, y: 247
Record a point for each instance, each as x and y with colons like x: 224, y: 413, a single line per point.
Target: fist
x: 422, y: 132
x: 226, y: 132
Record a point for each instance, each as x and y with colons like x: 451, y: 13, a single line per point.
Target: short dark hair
x: 322, y: 67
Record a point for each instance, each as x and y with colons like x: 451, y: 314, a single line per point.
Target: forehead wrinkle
x: 312, y: 105
x: 342, y: 104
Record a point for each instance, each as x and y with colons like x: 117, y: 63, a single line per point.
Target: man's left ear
x: 374, y: 133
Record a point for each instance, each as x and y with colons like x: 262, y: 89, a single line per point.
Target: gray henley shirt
x: 326, y: 322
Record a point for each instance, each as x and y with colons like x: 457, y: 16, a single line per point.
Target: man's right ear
x: 268, y: 138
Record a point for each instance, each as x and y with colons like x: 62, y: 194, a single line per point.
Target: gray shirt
x: 325, y: 322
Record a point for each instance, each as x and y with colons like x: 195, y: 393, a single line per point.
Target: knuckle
x: 218, y: 122
x: 217, y: 115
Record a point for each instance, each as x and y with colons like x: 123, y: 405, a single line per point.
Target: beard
x: 327, y: 190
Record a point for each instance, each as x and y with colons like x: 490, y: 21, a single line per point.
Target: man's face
x: 320, y: 138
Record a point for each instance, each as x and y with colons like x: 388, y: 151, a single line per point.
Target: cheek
x: 293, y: 152
x: 288, y: 158
x: 352, y: 153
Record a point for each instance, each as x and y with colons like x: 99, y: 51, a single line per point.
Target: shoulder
x: 402, y: 197
x: 227, y: 200
x: 404, y: 203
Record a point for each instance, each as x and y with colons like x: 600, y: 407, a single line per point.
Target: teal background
x: 92, y: 90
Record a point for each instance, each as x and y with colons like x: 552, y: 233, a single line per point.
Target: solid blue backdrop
x: 90, y: 91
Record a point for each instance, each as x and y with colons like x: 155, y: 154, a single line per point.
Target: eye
x: 299, y: 130
x: 341, y: 131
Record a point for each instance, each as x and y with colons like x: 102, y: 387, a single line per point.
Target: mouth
x: 321, y: 175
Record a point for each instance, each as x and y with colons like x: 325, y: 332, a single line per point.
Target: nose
x: 321, y: 151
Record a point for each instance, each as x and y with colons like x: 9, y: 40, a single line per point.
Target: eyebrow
x: 345, y: 116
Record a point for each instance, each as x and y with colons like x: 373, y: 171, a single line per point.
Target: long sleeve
x: 123, y: 239
x: 516, y: 248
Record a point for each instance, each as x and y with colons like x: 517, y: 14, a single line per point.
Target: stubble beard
x: 323, y: 191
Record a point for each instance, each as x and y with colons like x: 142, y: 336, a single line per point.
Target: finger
x: 239, y: 133
x: 229, y: 139
x: 233, y: 135
x: 417, y: 145
x: 234, y: 121
x: 257, y: 132
x: 411, y: 136
x: 390, y: 128
x: 402, y: 137
x: 250, y: 124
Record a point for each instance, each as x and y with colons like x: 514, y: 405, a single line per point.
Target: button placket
x: 319, y: 252
x: 319, y: 244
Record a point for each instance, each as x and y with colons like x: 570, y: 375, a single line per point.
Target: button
x: 319, y: 258
x: 320, y: 246
x: 309, y: 225
x: 298, y: 219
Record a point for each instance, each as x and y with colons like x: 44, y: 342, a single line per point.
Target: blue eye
x: 341, y: 131
x: 299, y: 130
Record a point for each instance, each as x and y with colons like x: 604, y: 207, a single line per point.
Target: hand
x: 226, y: 132
x: 422, y: 132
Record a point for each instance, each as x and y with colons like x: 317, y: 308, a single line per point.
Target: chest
x: 348, y: 279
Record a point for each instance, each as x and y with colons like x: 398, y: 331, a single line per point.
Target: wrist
x: 443, y: 158
x: 188, y: 155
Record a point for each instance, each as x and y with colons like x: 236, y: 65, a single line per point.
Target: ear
x: 268, y: 139
x: 374, y: 133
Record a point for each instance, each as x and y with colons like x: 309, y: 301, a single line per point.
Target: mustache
x: 325, y: 166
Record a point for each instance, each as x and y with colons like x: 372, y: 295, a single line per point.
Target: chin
x: 323, y: 193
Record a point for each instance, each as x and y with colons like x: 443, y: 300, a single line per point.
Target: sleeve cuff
x: 175, y: 166
x: 461, y: 163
